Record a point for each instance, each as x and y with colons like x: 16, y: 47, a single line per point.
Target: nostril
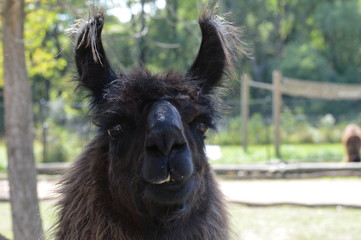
x: 154, y: 149
x: 166, y: 151
x: 179, y: 146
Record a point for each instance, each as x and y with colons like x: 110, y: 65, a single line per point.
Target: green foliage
x: 62, y: 142
x: 56, y: 153
x: 316, y: 40
x: 341, y: 37
x: 228, y: 133
x: 296, y: 128
x: 61, y: 146
x: 302, y: 60
x: 41, y: 50
x: 44, y: 43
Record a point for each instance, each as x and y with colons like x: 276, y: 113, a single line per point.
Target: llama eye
x: 202, y: 128
x: 114, y: 131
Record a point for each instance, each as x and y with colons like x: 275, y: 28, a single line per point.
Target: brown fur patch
x: 351, y: 139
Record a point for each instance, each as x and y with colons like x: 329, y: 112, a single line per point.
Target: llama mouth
x: 170, y: 191
x: 169, y: 179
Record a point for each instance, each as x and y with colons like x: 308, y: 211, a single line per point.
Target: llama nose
x: 166, y: 150
x: 165, y: 129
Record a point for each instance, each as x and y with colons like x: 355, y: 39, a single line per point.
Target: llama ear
x: 219, y: 47
x: 91, y: 62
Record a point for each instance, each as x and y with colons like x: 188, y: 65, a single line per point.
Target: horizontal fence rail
x: 288, y: 171
x: 261, y: 85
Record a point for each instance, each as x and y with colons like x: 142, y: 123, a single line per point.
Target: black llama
x: 351, y: 139
x: 145, y: 174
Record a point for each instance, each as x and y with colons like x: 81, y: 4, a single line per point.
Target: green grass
x: 295, y: 223
x: 47, y: 214
x: 5, y: 222
x: 258, y: 223
x: 3, y: 158
x: 290, y: 153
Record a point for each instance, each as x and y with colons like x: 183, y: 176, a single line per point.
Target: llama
x: 145, y: 174
x: 351, y: 138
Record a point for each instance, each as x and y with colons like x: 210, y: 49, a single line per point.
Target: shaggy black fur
x: 145, y: 175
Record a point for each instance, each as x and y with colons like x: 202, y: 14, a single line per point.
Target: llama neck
x: 89, y: 209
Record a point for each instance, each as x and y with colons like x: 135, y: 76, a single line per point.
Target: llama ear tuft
x: 220, y: 46
x: 91, y: 62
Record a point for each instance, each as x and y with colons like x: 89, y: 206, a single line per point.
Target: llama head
x: 153, y: 125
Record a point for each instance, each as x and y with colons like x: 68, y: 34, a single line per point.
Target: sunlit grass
x: 3, y: 157
x: 295, y: 223
x: 47, y: 214
x: 257, y: 223
x: 313, y: 152
x: 290, y: 153
x: 5, y: 222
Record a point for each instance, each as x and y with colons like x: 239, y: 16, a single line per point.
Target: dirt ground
x: 310, y: 192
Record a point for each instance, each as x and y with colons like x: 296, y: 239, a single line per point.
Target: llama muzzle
x: 167, y: 154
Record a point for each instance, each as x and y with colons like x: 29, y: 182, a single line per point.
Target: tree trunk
x: 142, y: 44
x: 172, y: 9
x: 18, y: 126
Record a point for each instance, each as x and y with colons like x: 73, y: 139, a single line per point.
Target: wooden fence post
x: 277, y: 102
x: 245, y: 110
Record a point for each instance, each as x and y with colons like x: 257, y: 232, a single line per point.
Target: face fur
x: 165, y: 174
x: 154, y: 125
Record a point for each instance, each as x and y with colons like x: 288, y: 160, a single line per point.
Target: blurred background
x: 316, y: 41
x: 312, y: 40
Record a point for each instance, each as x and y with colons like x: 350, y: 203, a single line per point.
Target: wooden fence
x: 292, y: 87
x: 289, y: 171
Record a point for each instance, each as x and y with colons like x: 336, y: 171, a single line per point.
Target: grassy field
x: 3, y: 158
x: 260, y: 223
x: 290, y: 153
x: 295, y: 223
x: 47, y: 214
